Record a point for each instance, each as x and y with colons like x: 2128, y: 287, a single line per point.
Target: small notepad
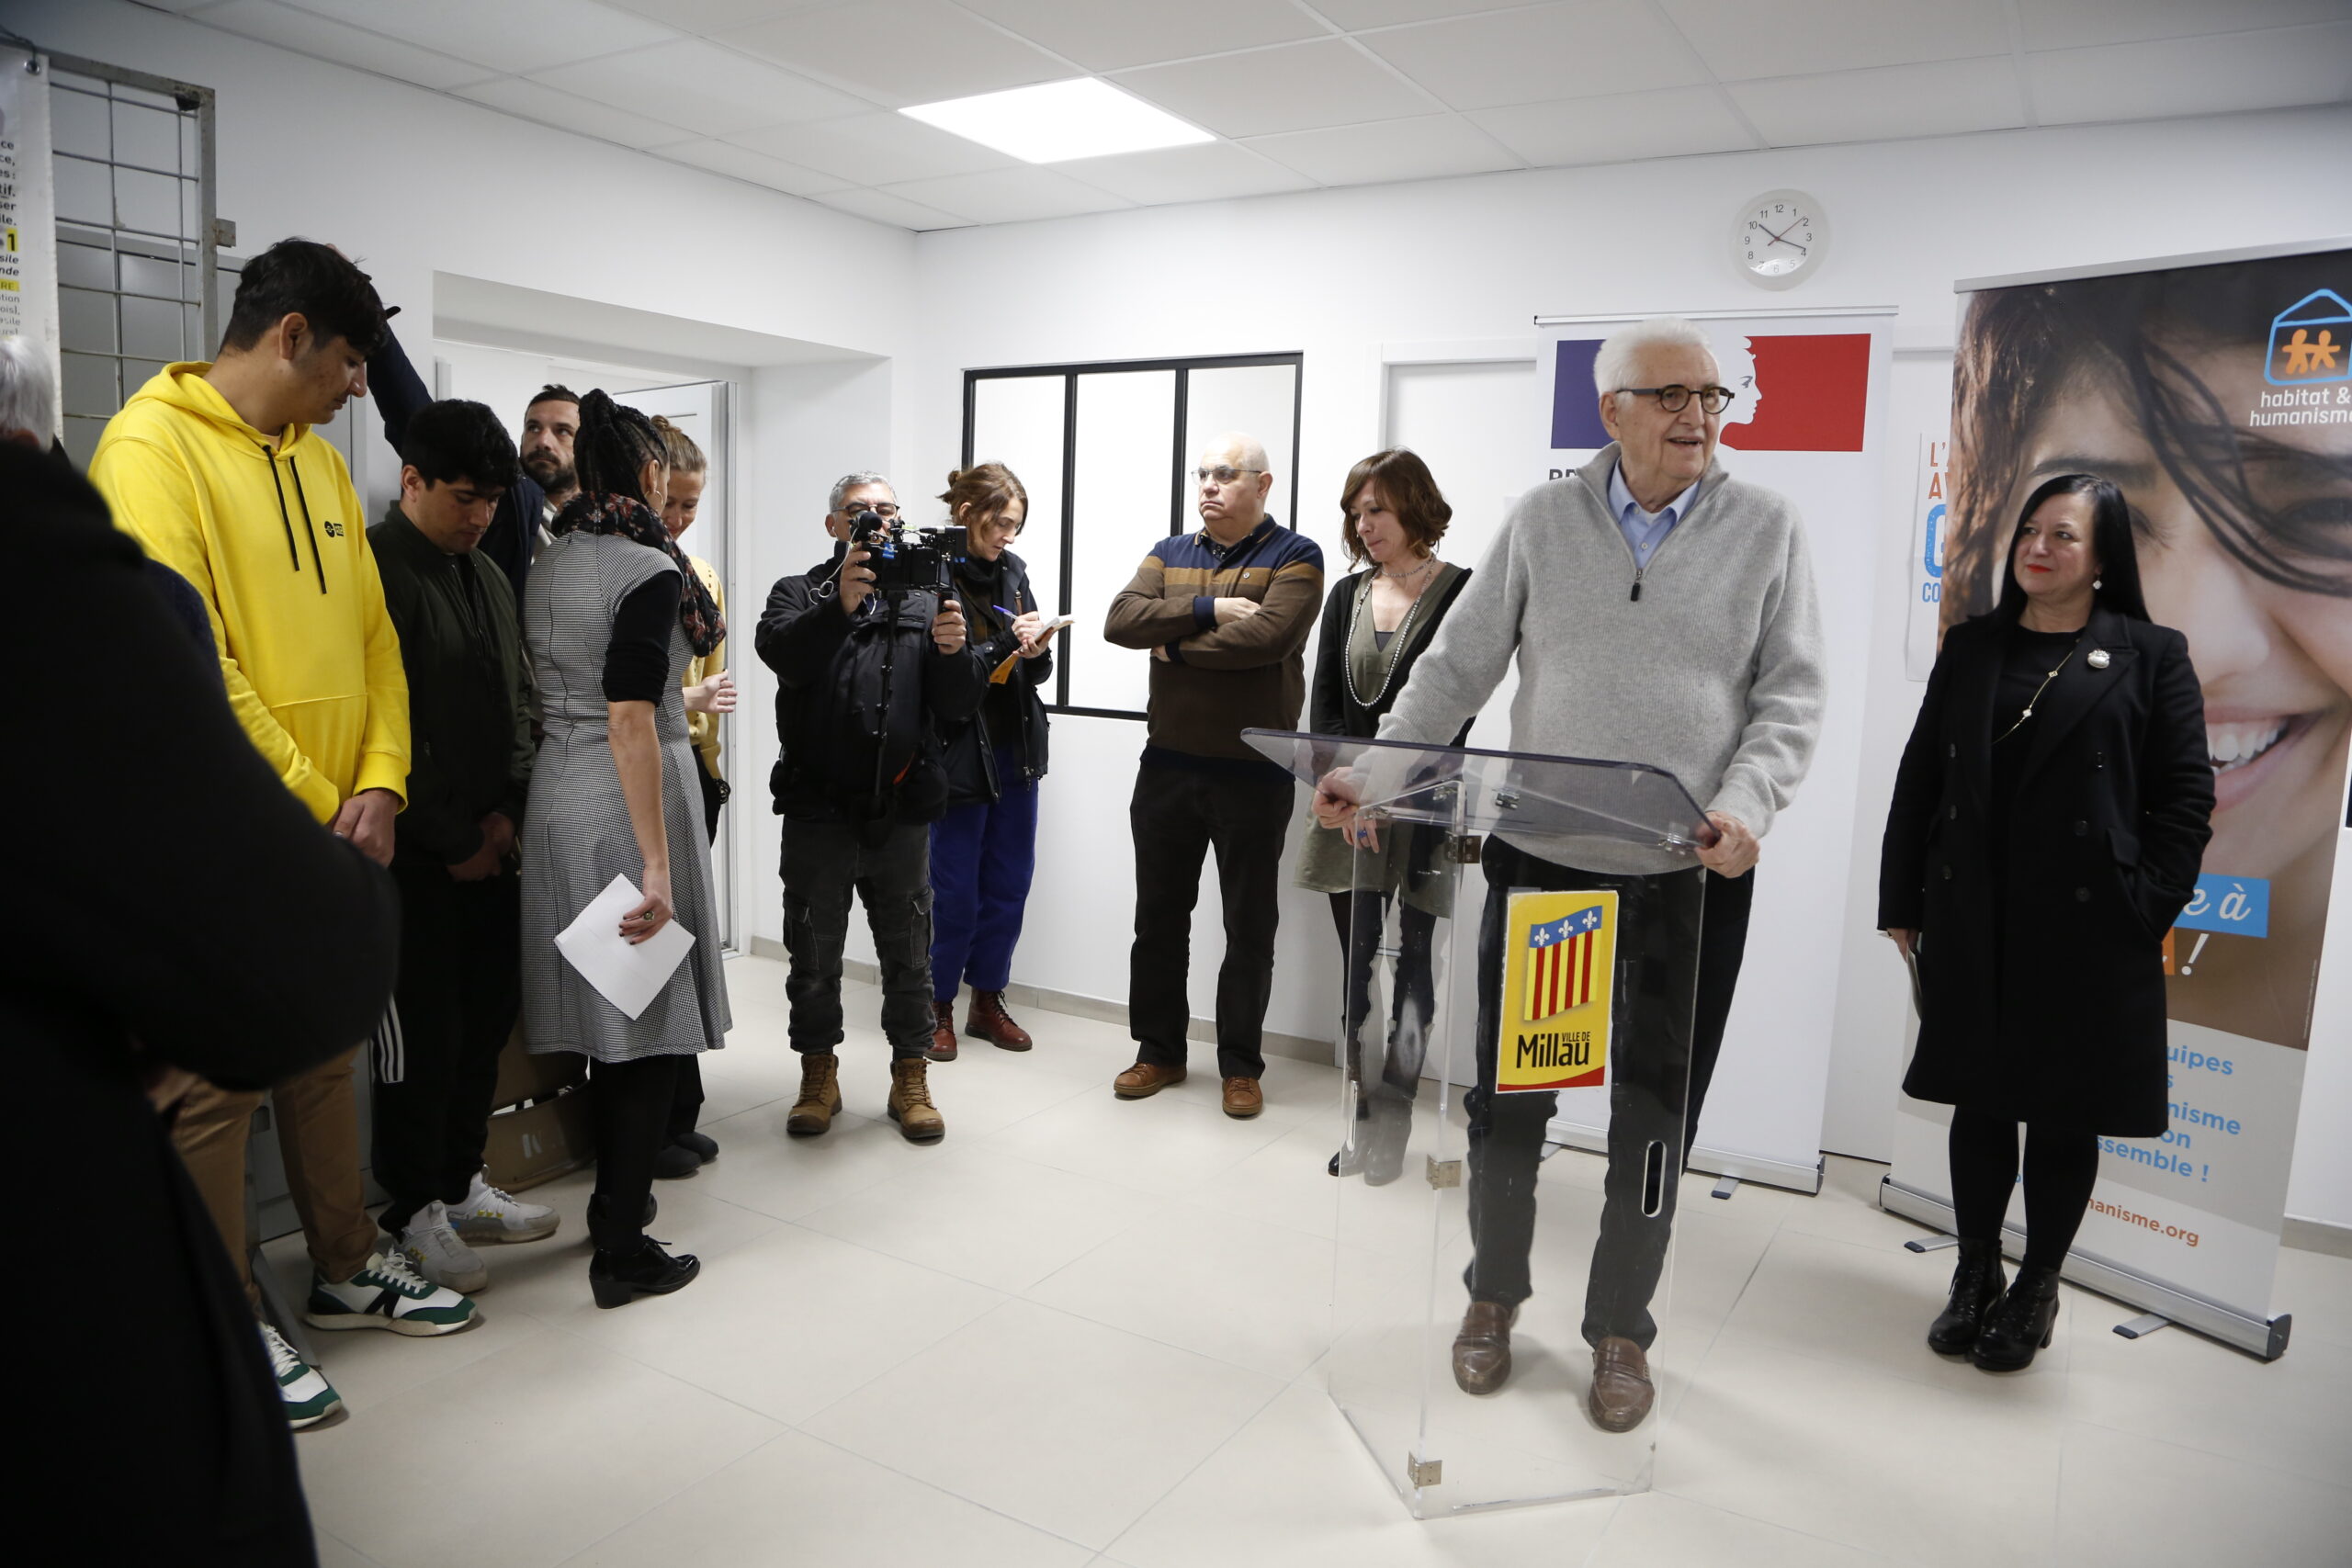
x: 627, y: 974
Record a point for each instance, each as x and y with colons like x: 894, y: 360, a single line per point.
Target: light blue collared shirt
x: 1645, y: 530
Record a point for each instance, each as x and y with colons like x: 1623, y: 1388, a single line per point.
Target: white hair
x: 848, y: 482
x: 28, y: 389
x: 1612, y: 368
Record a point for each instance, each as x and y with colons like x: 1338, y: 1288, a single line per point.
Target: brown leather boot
x: 911, y: 1105
x: 1620, y: 1385
x: 942, y: 1031
x: 1482, y: 1350
x: 821, y: 1094
x: 988, y: 1021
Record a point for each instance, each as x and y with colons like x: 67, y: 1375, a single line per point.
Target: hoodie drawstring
x: 293, y: 550
x: 310, y: 527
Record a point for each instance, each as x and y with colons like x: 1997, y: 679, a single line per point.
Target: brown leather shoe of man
x: 911, y: 1105
x: 987, y: 1020
x: 1482, y: 1350
x: 1145, y: 1079
x: 1621, y: 1385
x: 942, y: 1031
x: 821, y: 1094
x: 1243, y: 1099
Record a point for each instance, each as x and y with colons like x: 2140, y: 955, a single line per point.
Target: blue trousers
x: 982, y: 858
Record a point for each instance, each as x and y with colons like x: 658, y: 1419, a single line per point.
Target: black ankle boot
x: 1348, y: 1161
x: 1976, y: 1290
x: 2022, y: 1322
x: 618, y: 1278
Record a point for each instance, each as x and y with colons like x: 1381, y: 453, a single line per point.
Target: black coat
x: 971, y: 749
x: 2041, y: 978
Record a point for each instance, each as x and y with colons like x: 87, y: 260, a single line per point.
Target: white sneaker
x: 309, y: 1398
x: 490, y: 1214
x: 387, y: 1294
x: 432, y: 1249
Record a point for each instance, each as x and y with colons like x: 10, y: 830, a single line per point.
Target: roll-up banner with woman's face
x: 2219, y: 398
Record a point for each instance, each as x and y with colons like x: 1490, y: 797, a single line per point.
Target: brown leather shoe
x: 819, y: 1099
x: 1621, y: 1385
x: 1243, y: 1099
x: 1145, y: 1079
x: 942, y: 1031
x: 911, y: 1105
x: 987, y: 1020
x: 1482, y: 1350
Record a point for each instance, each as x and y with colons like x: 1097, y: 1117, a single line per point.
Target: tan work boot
x: 911, y: 1105
x: 821, y: 1094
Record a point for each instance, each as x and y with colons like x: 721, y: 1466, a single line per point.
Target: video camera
x: 905, y: 559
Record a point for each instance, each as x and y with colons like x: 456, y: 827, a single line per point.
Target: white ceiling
x: 798, y: 94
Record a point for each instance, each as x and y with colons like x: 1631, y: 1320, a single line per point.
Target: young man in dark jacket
x: 436, y: 1067
x: 864, y: 676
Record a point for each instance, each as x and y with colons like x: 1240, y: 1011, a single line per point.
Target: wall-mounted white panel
x: 1123, y: 476
x: 1017, y: 420
x: 1256, y: 399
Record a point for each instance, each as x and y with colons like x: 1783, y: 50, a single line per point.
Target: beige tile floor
x: 1086, y: 1332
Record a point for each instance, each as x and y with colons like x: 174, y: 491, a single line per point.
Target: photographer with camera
x: 871, y: 658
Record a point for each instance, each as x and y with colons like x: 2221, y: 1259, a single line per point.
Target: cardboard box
x: 540, y: 1142
x: 523, y: 1077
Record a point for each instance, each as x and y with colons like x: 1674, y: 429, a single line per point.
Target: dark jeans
x: 1177, y: 815
x: 823, y: 861
x: 1361, y: 916
x: 459, y: 989
x: 1679, y: 940
x: 983, y: 857
x: 630, y: 1103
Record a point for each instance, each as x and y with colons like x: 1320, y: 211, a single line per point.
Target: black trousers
x: 1361, y: 916
x: 1177, y: 815
x: 458, y: 992
x: 1681, y: 938
x: 823, y: 863
x: 688, y: 1108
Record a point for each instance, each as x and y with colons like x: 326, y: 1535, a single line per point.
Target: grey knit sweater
x: 1715, y: 674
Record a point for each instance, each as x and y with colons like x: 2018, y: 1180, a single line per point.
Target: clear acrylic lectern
x: 1443, y: 1188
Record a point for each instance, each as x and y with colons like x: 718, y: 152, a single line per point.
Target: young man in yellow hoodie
x: 215, y: 469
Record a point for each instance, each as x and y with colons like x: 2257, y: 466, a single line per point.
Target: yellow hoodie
x: 274, y: 542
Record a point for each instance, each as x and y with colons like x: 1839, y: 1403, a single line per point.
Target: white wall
x: 1337, y: 273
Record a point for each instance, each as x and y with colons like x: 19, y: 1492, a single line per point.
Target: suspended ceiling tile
x: 725, y: 158
x: 1942, y: 98
x: 2075, y: 24
x: 877, y: 149
x: 1392, y: 150
x: 1008, y: 195
x: 516, y: 36
x: 703, y: 87
x: 533, y: 101
x: 1533, y: 56
x: 1105, y: 35
x: 1740, y: 39
x: 901, y: 51
x: 2277, y: 69
x: 1356, y: 14
x: 715, y: 15
x: 1670, y: 123
x: 1210, y: 171
x: 883, y: 207
x: 305, y: 33
x: 1294, y: 87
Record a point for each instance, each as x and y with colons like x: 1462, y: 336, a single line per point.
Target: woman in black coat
x: 2048, y: 823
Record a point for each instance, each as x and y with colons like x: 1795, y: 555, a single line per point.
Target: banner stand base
x: 2263, y: 1337
x: 2140, y: 1327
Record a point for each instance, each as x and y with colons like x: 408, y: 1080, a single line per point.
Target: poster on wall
x: 28, y: 205
x: 2219, y: 398
x: 1923, y: 577
x: 1805, y: 421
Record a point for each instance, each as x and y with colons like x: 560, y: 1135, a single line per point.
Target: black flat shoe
x: 619, y: 1278
x: 673, y: 1162
x: 2023, y: 1323
x: 705, y: 1147
x: 1976, y: 1290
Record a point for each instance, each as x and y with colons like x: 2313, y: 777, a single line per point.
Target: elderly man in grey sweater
x: 1661, y: 612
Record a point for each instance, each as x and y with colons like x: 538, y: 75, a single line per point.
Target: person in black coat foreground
x: 2049, y: 819
x: 182, y: 912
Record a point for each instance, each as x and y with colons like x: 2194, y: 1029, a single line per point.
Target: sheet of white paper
x: 629, y: 975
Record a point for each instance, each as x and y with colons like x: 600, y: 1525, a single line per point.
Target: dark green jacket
x: 469, y: 702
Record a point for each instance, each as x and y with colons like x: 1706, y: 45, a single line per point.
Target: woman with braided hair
x: 611, y: 615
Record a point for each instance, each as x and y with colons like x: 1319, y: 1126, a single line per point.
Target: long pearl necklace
x: 2037, y: 695
x: 1396, y: 639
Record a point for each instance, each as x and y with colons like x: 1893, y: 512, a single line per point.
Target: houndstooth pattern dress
x: 576, y: 835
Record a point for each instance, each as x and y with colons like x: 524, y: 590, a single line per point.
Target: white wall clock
x: 1779, y: 238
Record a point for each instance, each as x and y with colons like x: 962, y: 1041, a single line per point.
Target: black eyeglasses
x: 1674, y: 399
x: 1221, y: 477
x: 879, y: 508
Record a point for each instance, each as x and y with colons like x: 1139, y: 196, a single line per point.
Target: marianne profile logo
x: 2311, y: 341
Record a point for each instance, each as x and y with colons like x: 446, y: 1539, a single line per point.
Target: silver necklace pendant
x: 2098, y: 658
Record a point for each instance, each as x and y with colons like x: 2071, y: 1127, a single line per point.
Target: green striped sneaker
x: 309, y: 1398
x: 388, y: 1294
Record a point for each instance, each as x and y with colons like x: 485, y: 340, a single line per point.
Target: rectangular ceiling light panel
x: 1056, y: 121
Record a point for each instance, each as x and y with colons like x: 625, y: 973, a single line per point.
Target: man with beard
x: 549, y: 425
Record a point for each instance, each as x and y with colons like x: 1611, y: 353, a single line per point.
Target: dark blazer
x: 2041, y: 978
